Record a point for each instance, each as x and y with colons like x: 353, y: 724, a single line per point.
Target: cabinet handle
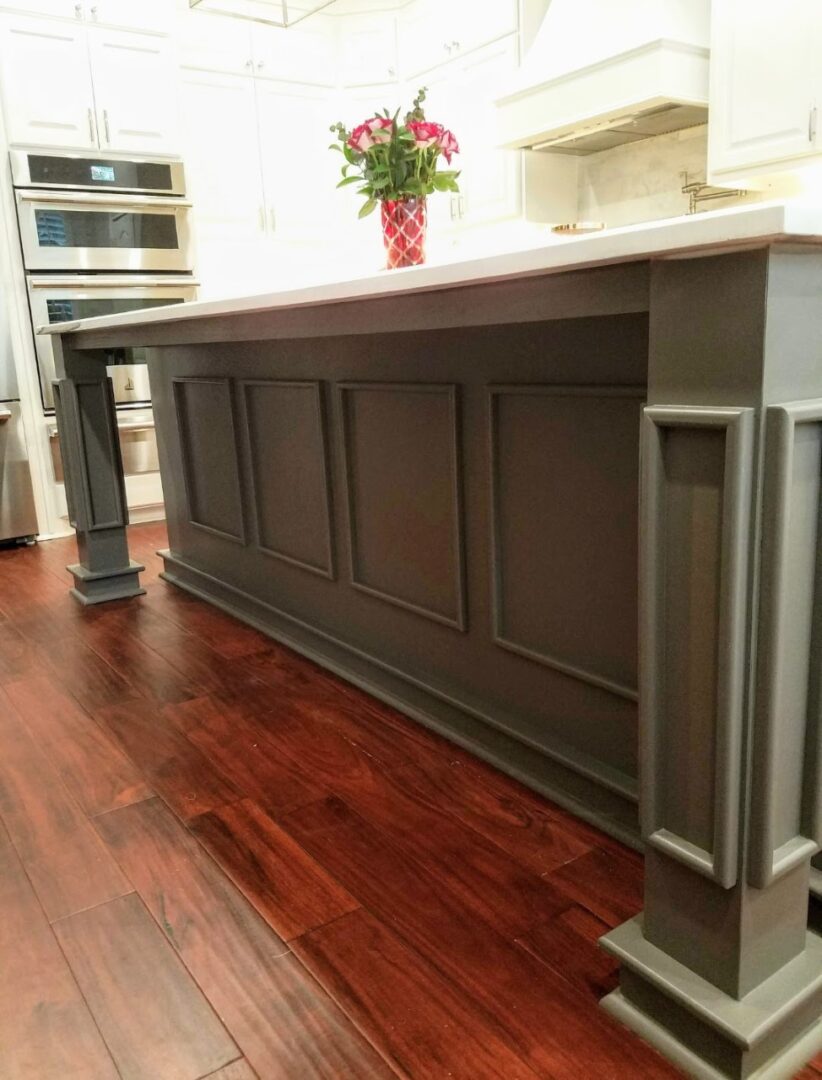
x: 92, y: 131
x: 272, y: 220
x: 94, y: 13
x: 461, y: 201
x: 812, y: 124
x: 447, y: 46
x: 78, y: 11
x: 105, y: 126
x: 455, y: 45
x: 260, y: 65
x: 452, y: 206
x: 261, y: 217
x: 249, y: 64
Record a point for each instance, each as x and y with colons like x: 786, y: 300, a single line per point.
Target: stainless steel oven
x: 106, y: 213
x: 63, y: 298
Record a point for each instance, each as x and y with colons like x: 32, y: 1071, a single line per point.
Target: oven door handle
x: 137, y: 202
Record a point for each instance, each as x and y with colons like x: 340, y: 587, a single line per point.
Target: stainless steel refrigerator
x: 18, y: 520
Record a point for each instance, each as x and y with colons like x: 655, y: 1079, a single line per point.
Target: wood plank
x: 79, y: 670
x: 283, y: 1021
x: 90, y: 764
x: 414, y: 1016
x: 568, y: 945
x: 226, y: 635
x: 553, y: 1027
x: 46, y: 1030
x: 244, y: 753
x: 68, y: 866
x: 154, y: 1018
x: 237, y: 1070
x: 18, y: 656
x: 174, y: 767
x: 288, y: 888
x: 491, y: 883
x: 606, y: 882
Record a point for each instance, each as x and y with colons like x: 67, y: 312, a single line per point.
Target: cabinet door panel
x: 152, y: 15
x: 425, y: 33
x: 764, y: 80
x: 222, y: 158
x: 135, y: 87
x: 367, y: 47
x: 299, y: 171
x: 214, y: 43
x: 46, y: 80
x: 303, y: 53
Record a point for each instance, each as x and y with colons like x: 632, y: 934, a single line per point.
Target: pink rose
x: 448, y: 144
x: 425, y: 133
x: 373, y: 132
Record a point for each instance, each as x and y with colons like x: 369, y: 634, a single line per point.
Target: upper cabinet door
x: 152, y: 15
x: 765, y: 85
x: 214, y: 43
x: 425, y: 33
x: 303, y: 53
x: 367, y: 49
x: 135, y: 88
x: 46, y: 81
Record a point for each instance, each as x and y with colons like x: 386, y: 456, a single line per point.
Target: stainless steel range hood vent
x: 602, y: 73
x: 657, y: 120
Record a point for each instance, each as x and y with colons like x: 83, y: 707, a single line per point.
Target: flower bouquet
x: 395, y: 164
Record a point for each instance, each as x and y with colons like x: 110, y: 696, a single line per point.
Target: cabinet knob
x: 78, y: 11
x: 260, y: 65
x: 249, y: 64
x: 455, y: 45
x: 94, y: 13
x: 392, y: 72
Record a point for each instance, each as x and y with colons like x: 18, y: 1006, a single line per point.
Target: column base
x: 767, y: 1035
x: 96, y: 587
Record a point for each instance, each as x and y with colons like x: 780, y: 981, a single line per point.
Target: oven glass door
x: 73, y: 233
x: 52, y: 304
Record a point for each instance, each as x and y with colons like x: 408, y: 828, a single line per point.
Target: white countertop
x: 787, y: 221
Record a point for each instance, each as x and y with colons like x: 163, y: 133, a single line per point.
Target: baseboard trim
x: 605, y: 798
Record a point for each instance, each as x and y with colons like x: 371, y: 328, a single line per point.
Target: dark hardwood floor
x: 218, y: 860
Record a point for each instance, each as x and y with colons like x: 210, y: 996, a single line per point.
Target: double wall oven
x: 102, y: 234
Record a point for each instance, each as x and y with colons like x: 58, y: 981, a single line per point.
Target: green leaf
x: 335, y: 146
x: 350, y: 180
x: 367, y: 208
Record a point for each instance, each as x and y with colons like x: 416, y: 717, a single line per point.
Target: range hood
x: 601, y: 73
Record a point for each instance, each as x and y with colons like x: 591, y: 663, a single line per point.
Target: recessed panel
x: 206, y: 424
x: 287, y: 441
x: 402, y: 466
x: 565, y: 525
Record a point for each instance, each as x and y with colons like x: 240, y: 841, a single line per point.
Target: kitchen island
x: 429, y: 482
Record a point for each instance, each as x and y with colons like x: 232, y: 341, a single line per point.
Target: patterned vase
x: 404, y: 225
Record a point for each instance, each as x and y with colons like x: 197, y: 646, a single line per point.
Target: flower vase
x: 404, y: 226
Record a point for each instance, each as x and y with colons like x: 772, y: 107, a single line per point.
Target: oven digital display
x: 103, y: 172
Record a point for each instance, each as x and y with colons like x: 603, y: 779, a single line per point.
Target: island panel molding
x: 403, y: 476
x: 696, y: 489
x: 204, y: 409
x: 286, y: 436
x: 569, y: 495
x: 788, y: 723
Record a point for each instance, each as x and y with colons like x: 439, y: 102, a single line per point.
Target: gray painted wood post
x: 720, y: 971
x: 93, y: 468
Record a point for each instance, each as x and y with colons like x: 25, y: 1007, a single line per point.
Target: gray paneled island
x: 429, y: 481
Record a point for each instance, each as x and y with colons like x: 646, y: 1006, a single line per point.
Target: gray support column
x: 93, y: 467
x: 720, y: 971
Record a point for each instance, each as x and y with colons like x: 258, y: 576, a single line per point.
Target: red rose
x: 373, y: 132
x: 448, y: 144
x: 425, y: 133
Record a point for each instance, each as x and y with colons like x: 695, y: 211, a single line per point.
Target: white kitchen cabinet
x: 766, y: 86
x: 213, y: 42
x: 79, y: 87
x: 135, y: 89
x: 154, y: 16
x: 367, y: 49
x: 303, y: 53
x: 461, y: 96
x: 223, y: 173
x: 46, y: 83
x: 433, y: 32
x: 299, y: 171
